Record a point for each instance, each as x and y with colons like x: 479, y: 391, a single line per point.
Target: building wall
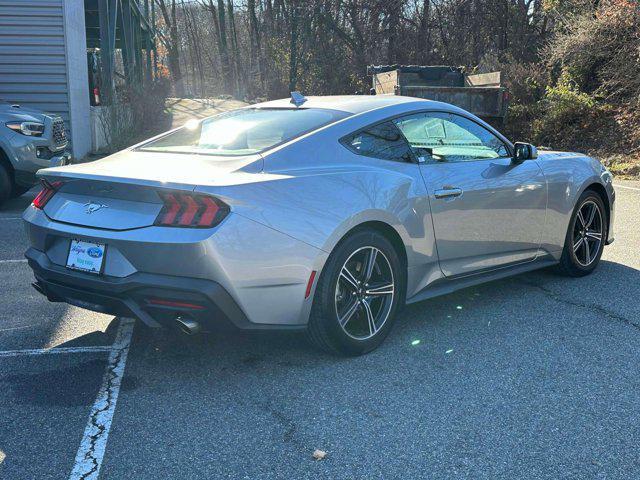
x: 43, y: 62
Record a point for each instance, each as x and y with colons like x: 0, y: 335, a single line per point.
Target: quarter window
x: 380, y: 141
x: 444, y: 137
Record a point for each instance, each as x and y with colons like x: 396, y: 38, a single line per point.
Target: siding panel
x: 7, y: 48
x: 19, y: 60
x: 30, y: 8
x: 25, y: 79
x: 32, y: 55
x: 13, y: 31
x: 18, y: 20
x: 33, y: 68
x: 27, y: 87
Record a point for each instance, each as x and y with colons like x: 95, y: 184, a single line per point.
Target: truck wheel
x: 5, y: 184
x: 18, y: 190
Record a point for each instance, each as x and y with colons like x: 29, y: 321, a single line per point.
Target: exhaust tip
x: 187, y: 325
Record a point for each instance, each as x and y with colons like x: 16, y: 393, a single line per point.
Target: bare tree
x: 168, y: 10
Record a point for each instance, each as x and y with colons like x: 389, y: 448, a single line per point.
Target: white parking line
x: 53, y: 351
x: 615, y: 185
x: 20, y: 327
x: 20, y: 260
x: 94, y: 441
x: 10, y: 218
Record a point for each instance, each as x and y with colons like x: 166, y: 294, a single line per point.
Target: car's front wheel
x: 358, y: 294
x: 586, y: 236
x: 5, y: 184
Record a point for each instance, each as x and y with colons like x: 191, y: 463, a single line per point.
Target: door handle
x: 447, y: 192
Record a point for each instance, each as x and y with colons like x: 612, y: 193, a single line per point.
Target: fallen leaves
x: 319, y: 454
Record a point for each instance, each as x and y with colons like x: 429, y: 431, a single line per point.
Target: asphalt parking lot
x: 530, y: 377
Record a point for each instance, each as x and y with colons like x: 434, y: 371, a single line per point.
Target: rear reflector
x: 48, y: 191
x: 191, y: 211
x: 170, y: 303
x: 312, y: 277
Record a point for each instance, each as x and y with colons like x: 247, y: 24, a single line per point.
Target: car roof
x: 355, y: 104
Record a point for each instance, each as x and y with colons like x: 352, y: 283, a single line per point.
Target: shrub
x: 563, y: 113
x: 526, y: 82
x: 565, y: 103
x: 132, y: 113
x: 600, y: 49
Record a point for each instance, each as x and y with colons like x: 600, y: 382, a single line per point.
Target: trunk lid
x: 121, y: 192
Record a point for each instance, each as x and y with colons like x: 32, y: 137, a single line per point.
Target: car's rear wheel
x: 357, y: 296
x: 586, y: 236
x: 19, y: 190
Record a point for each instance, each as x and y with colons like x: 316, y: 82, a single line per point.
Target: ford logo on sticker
x: 94, y: 252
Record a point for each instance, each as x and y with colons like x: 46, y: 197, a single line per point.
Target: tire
x: 581, y: 261
x: 5, y: 185
x: 18, y: 190
x: 368, y: 313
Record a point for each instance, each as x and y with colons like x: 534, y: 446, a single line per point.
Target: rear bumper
x: 264, y: 271
x: 137, y: 295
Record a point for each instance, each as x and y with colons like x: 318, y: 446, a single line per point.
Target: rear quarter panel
x: 316, y: 191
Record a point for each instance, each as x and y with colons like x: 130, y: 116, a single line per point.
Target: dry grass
x: 619, y: 142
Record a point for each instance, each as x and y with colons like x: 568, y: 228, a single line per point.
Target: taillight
x: 191, y: 211
x: 48, y: 191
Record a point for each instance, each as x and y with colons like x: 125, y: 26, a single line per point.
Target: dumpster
x: 481, y: 94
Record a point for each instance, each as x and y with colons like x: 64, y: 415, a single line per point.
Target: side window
x: 445, y: 137
x: 380, y: 141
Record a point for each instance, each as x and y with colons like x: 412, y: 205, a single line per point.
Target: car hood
x: 159, y: 169
x: 24, y: 114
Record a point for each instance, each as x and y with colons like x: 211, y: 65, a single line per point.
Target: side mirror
x: 524, y: 151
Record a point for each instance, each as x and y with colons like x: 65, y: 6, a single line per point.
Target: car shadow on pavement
x: 613, y: 290
x: 439, y: 325
x: 474, y: 373
x: 534, y: 359
x: 60, y: 382
x: 21, y: 202
x: 60, y: 379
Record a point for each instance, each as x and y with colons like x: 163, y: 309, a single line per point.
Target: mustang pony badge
x: 94, y: 207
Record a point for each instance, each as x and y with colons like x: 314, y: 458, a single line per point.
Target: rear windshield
x: 243, y: 132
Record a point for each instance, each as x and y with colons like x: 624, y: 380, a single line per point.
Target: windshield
x: 244, y: 132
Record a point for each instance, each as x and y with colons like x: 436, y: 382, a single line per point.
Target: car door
x: 394, y: 186
x: 487, y: 211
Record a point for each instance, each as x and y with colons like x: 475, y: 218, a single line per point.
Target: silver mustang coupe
x: 323, y: 213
